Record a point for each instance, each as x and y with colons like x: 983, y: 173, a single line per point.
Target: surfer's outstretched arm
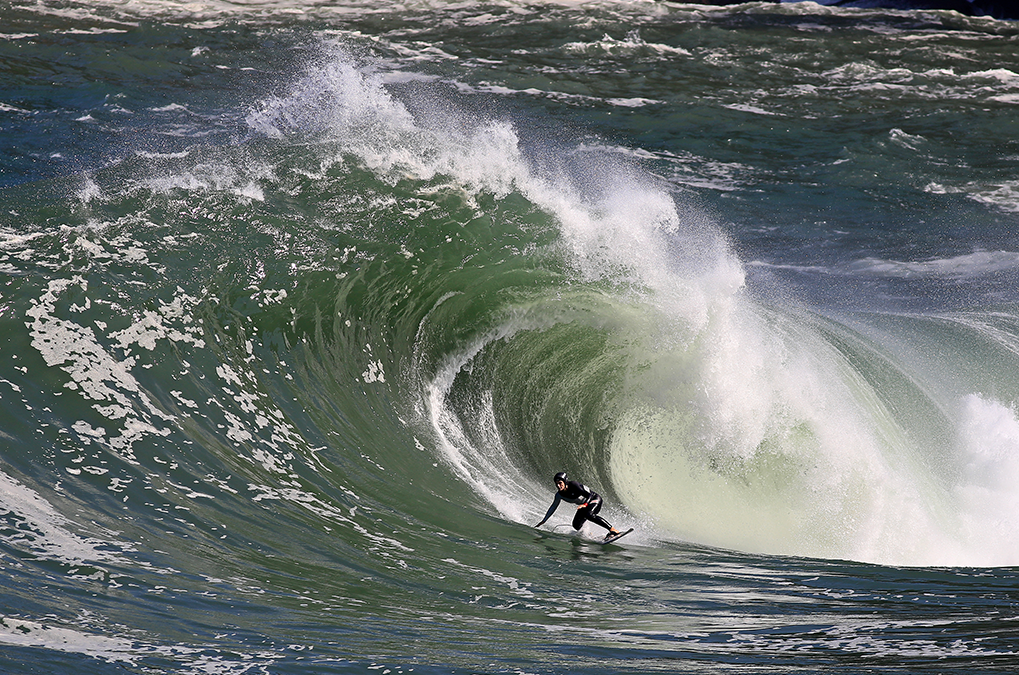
x: 551, y: 509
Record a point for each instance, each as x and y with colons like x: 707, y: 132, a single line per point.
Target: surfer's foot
x: 613, y: 532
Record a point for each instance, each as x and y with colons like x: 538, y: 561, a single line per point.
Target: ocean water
x: 302, y: 305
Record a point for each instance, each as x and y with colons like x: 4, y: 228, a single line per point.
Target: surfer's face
x: 560, y: 484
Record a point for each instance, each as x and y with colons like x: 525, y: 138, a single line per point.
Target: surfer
x: 587, y: 500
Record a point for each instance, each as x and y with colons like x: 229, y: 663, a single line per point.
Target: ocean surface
x: 303, y: 304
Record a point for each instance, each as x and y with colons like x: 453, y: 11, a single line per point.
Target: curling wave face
x: 617, y: 335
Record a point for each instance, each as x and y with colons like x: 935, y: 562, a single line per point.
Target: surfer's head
x: 560, y: 480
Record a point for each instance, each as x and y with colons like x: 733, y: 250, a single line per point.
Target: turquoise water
x: 301, y: 307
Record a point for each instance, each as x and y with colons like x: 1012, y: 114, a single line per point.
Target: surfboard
x: 616, y: 537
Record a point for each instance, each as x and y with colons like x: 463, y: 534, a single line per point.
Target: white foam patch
x: 1001, y: 195
x: 633, y: 43
x: 905, y: 140
x: 38, y: 528
x: 25, y: 633
x: 1006, y: 98
x: 1004, y: 196
x: 744, y: 107
x: 17, y: 243
x: 105, y: 375
x: 517, y: 587
x: 244, y: 182
x: 95, y: 374
x: 160, y: 325
x: 19, y: 632
x: 999, y: 75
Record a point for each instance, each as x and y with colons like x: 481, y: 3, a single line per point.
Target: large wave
x: 619, y: 339
x: 380, y: 272
x: 629, y: 348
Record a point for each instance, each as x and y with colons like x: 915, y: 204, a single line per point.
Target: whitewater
x: 303, y: 306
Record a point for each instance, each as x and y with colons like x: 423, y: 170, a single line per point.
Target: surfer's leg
x: 590, y: 512
x: 580, y: 517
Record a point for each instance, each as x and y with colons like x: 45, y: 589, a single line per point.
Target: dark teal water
x: 302, y: 306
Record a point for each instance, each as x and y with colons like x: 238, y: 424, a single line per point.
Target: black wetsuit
x: 588, y: 499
